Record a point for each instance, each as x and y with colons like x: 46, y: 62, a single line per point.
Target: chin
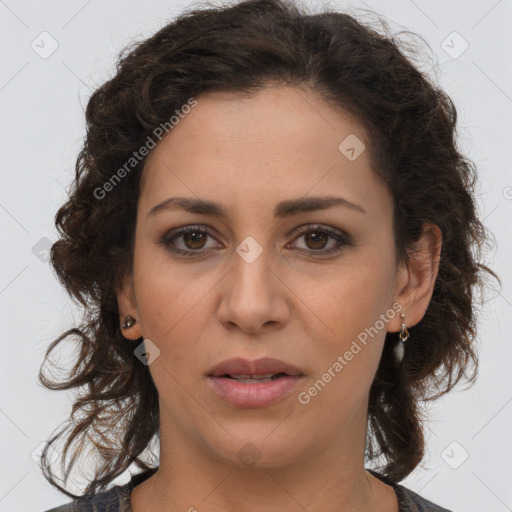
x: 258, y: 451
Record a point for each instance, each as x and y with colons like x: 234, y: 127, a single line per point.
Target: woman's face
x: 314, y: 288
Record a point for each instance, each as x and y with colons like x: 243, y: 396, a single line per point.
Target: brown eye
x: 194, y: 239
x: 187, y: 240
x: 316, y: 240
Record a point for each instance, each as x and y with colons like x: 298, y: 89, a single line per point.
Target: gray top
x: 117, y: 499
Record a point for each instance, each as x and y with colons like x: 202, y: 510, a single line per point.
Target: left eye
x: 317, y: 238
x: 194, y: 240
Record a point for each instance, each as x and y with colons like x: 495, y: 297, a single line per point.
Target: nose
x: 253, y: 296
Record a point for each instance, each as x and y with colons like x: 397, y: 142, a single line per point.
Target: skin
x: 248, y: 153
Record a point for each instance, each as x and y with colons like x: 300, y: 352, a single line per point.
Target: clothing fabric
x: 117, y: 499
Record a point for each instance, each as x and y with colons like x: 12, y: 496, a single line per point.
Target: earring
x: 129, y: 321
x: 402, y: 337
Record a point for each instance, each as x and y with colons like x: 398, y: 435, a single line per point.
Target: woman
x: 275, y: 242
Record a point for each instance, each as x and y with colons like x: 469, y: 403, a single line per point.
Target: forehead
x: 277, y: 139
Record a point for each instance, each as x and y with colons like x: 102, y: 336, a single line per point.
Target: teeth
x: 251, y: 376
x: 256, y: 378
x: 248, y: 381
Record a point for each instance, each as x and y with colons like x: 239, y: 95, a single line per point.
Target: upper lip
x: 264, y: 366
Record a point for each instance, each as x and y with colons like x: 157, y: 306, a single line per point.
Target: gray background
x: 42, y: 98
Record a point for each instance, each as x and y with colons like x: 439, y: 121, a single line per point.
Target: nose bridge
x: 252, y: 274
x: 255, y: 252
x: 252, y: 296
x: 255, y: 244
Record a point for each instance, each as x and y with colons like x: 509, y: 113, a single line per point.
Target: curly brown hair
x: 411, y: 124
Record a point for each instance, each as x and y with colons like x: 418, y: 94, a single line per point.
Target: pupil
x: 193, y: 236
x: 315, y: 237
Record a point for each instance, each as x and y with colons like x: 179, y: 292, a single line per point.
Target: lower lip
x: 253, y: 394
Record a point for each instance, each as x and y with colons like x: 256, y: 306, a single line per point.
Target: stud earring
x: 129, y: 321
x: 402, y: 338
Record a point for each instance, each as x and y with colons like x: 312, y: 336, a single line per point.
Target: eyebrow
x: 283, y: 209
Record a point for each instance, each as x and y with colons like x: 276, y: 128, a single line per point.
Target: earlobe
x: 418, y: 278
x: 128, y: 315
x: 130, y: 328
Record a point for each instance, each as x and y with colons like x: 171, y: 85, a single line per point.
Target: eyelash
x: 341, y: 238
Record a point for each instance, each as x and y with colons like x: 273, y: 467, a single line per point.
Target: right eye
x: 192, y: 239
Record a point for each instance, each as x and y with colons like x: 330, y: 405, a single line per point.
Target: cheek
x: 346, y: 361
x: 170, y: 299
x: 354, y: 303
x: 353, y: 298
x: 172, y: 309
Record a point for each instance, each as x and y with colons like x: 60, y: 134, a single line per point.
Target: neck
x: 326, y: 477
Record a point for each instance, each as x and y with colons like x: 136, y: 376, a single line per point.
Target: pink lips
x: 253, y: 394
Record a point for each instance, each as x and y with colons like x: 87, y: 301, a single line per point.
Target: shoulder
x: 112, y: 500
x: 116, y: 499
x: 413, y: 502
x: 408, y: 500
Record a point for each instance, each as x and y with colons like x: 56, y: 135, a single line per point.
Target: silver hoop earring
x: 402, y: 338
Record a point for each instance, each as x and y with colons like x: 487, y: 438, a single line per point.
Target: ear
x: 127, y: 306
x: 415, y: 279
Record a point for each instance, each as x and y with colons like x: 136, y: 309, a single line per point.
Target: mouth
x: 265, y: 368
x: 244, y: 383
x: 255, y: 378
